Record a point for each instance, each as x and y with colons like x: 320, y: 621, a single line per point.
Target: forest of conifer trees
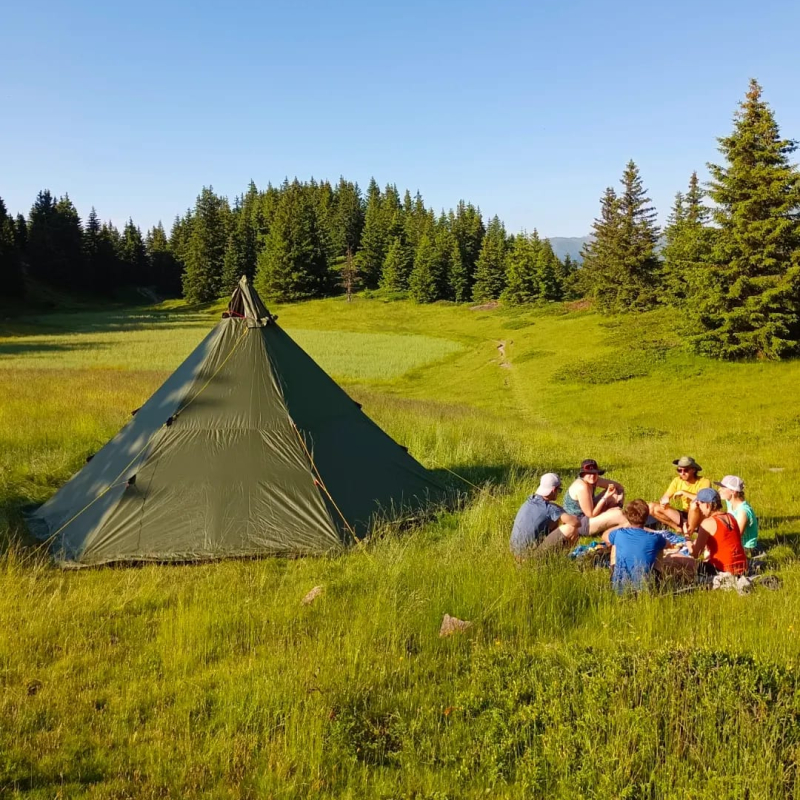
x: 732, y: 267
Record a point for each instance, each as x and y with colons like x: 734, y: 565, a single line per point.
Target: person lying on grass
x: 541, y: 525
x: 718, y: 539
x: 731, y: 490
x: 595, y: 512
x: 636, y: 552
x: 675, y: 509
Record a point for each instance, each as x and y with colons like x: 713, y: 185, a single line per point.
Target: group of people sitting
x: 704, y: 531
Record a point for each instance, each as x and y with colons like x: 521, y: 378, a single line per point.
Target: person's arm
x: 699, y: 544
x: 740, y: 515
x: 609, y: 536
x: 604, y: 483
x: 585, y: 501
x: 671, y: 489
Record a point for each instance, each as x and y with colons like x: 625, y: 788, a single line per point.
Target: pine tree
x: 688, y: 244
x: 469, y: 230
x: 165, y: 268
x: 294, y: 262
x: 394, y: 275
x: 522, y: 265
x: 91, y: 250
x: 570, y: 278
x: 11, y: 283
x: 751, y: 303
x: 445, y: 244
x: 423, y: 281
x: 67, y: 267
x: 548, y: 273
x: 599, y: 273
x: 41, y: 236
x: 134, y: 262
x: 205, y: 251
x: 348, y: 218
x: 109, y: 266
x: 374, y: 238
x: 621, y: 266
x: 639, y: 269
x: 490, y: 270
x: 458, y: 279
x: 21, y: 233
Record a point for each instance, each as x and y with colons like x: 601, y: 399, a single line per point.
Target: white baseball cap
x: 732, y: 482
x: 548, y: 482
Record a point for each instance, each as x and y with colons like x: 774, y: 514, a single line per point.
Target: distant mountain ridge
x: 563, y: 245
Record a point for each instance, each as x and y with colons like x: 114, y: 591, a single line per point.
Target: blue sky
x: 527, y: 109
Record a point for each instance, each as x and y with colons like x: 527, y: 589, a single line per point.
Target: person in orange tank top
x: 719, y: 534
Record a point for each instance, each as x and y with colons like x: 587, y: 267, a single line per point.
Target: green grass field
x: 215, y: 681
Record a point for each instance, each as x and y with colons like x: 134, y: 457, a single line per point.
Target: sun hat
x: 589, y: 465
x: 708, y: 496
x: 548, y: 482
x: 732, y: 482
x: 687, y: 461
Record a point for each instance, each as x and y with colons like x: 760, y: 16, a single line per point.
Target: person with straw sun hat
x: 676, y: 507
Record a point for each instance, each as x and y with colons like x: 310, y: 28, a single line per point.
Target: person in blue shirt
x: 637, y: 552
x: 541, y: 524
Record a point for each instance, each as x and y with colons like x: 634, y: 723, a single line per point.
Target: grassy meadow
x: 214, y: 680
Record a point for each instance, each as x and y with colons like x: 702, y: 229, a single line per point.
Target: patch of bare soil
x: 490, y: 306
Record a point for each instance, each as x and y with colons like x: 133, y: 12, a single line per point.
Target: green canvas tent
x: 248, y: 448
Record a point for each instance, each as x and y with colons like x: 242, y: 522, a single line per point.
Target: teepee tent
x: 248, y: 448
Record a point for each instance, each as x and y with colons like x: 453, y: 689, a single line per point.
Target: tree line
x: 297, y: 241
x: 732, y: 266
x: 730, y: 260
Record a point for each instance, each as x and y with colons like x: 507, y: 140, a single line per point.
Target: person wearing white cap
x: 541, y: 524
x: 731, y: 490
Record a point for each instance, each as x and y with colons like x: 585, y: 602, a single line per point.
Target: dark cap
x: 589, y: 466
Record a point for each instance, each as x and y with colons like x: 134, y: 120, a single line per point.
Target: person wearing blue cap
x: 718, y: 534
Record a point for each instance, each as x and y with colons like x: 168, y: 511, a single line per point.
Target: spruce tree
x: 348, y: 218
x: 423, y: 281
x: 490, y: 269
x: 688, y: 244
x: 570, y: 278
x: 21, y: 232
x: 394, y: 274
x: 469, y: 230
x: 522, y: 264
x: 374, y: 238
x: 639, y: 269
x: 444, y: 243
x: 165, y: 268
x: 11, y: 283
x: 548, y: 273
x: 750, y: 306
x: 294, y: 262
x: 134, y: 262
x: 205, y: 251
x: 91, y: 250
x: 458, y: 278
x: 42, y: 237
x: 109, y: 266
x: 599, y: 254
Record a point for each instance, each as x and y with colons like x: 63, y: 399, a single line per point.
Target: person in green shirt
x: 676, y: 507
x: 731, y: 490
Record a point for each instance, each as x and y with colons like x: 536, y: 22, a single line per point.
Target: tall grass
x: 214, y: 680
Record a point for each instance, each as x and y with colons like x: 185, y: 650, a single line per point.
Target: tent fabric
x: 248, y: 448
